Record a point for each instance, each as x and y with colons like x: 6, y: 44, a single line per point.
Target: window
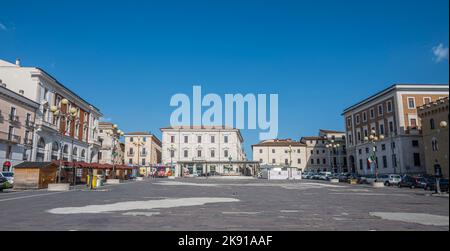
x: 367, y: 150
x: 186, y: 139
x: 357, y: 119
x: 312, y: 161
x: 186, y: 154
x: 273, y: 150
x: 144, y: 139
x: 393, y: 145
x: 273, y: 161
x: 225, y: 153
x: 213, y: 154
x: 199, y: 153
x: 213, y: 139
x: 413, y: 123
x: 366, y: 133
x: 286, y: 162
x: 312, y: 152
x: 434, y: 145
x: 364, y: 116
x: 360, y: 151
x: 260, y: 150
x: 143, y: 162
x: 359, y: 136
x: 384, y: 162
x: 389, y: 106
x: 318, y: 152
x: 383, y: 147
x: 225, y: 139
x: 130, y: 161
x: 426, y: 100
x: 131, y: 150
x: 382, y: 129
x: 380, y: 110
x: 199, y: 139
x: 299, y: 161
x: 360, y: 164
x: 394, y: 160
x: 415, y: 143
x: 432, y: 124
x: 324, y: 161
x: 298, y: 151
x: 411, y: 103
x: 372, y: 113
x: 172, y: 139
x: 172, y: 153
x: 349, y: 122
x: 416, y: 157
x: 391, y: 126
x: 260, y: 160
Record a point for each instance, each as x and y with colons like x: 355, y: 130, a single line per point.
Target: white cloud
x: 3, y: 27
x: 440, y: 53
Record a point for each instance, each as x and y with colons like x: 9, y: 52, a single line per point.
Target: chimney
x: 18, y: 62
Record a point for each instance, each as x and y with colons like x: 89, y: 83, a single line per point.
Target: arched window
x: 41, y: 143
x: 66, y: 149
x: 55, y: 146
x: 75, y: 152
x: 432, y: 124
x: 434, y: 145
x: 83, y: 153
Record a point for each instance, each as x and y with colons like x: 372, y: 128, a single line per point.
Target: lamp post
x: 138, y: 144
x: 66, y: 115
x: 116, y: 133
x: 290, y: 155
x: 331, y: 146
x: 373, y: 138
x: 172, y: 153
x: 230, y: 159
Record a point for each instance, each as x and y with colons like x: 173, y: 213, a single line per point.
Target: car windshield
x: 8, y: 174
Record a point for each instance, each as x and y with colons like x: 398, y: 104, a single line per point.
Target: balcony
x: 28, y: 142
x: 130, y: 154
x: 29, y: 123
x: 13, y: 119
x: 9, y: 137
x: 143, y: 154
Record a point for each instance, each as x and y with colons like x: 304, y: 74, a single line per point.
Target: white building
x: 281, y: 152
x: 54, y: 137
x: 391, y: 113
x: 197, y: 150
x: 111, y: 151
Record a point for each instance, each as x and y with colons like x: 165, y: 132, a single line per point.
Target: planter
x: 59, y: 187
x: 334, y: 181
x: 353, y: 182
x: 112, y: 181
x: 378, y: 184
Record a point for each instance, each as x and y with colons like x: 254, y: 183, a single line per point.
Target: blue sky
x: 129, y: 57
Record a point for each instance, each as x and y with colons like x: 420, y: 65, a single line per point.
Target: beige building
x: 392, y: 115
x: 434, y: 119
x: 111, y: 151
x: 326, y: 152
x: 17, y: 117
x: 281, y: 152
x: 197, y: 150
x: 142, y: 149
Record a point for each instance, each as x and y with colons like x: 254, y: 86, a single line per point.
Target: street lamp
x: 437, y: 168
x: 331, y: 146
x: 67, y: 115
x: 290, y: 155
x: 373, y: 138
x: 172, y: 153
x: 230, y: 159
x: 115, y: 134
x: 138, y: 144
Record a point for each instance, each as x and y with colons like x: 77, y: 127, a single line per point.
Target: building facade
x: 281, y: 152
x: 391, y: 113
x: 197, y: 150
x: 17, y: 117
x: 434, y: 117
x: 326, y: 152
x: 111, y: 151
x: 142, y: 149
x: 55, y: 137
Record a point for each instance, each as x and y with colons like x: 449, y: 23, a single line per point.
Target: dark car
x: 3, y: 182
x: 429, y: 183
x: 409, y: 181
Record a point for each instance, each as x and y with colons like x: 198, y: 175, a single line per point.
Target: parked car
x: 324, y: 175
x: 307, y: 175
x: 3, y: 182
x: 429, y: 183
x: 408, y: 181
x: 389, y: 179
x: 9, y: 176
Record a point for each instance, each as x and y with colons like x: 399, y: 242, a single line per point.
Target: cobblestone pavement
x: 215, y: 204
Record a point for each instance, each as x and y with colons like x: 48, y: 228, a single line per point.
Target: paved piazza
x: 221, y: 204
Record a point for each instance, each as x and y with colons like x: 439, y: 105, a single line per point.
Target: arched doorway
x: 40, y: 155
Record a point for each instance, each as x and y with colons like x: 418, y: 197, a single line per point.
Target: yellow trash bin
x: 94, y: 181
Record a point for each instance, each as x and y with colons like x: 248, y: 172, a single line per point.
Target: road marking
x: 372, y: 194
x: 148, y: 214
x: 246, y: 213
x: 139, y: 205
x: 34, y: 195
x: 289, y: 211
x: 423, y: 219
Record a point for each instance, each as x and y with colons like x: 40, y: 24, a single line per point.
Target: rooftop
x: 279, y: 142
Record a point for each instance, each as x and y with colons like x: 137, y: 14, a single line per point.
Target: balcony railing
x: 13, y: 118
x: 143, y: 154
x: 129, y: 154
x: 29, y: 123
x: 28, y: 142
x: 9, y: 137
